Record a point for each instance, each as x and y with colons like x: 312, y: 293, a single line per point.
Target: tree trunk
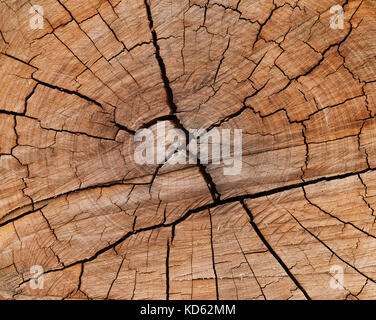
x: 78, y: 212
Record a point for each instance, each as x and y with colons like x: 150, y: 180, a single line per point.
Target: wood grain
x: 74, y: 201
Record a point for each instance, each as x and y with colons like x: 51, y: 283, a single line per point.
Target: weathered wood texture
x: 73, y: 200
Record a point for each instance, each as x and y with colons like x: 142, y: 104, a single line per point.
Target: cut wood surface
x: 75, y: 202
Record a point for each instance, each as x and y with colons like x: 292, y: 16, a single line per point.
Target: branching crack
x: 271, y: 250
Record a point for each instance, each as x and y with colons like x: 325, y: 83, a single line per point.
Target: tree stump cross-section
x: 80, y: 218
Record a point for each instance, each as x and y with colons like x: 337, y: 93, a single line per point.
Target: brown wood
x: 74, y: 201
